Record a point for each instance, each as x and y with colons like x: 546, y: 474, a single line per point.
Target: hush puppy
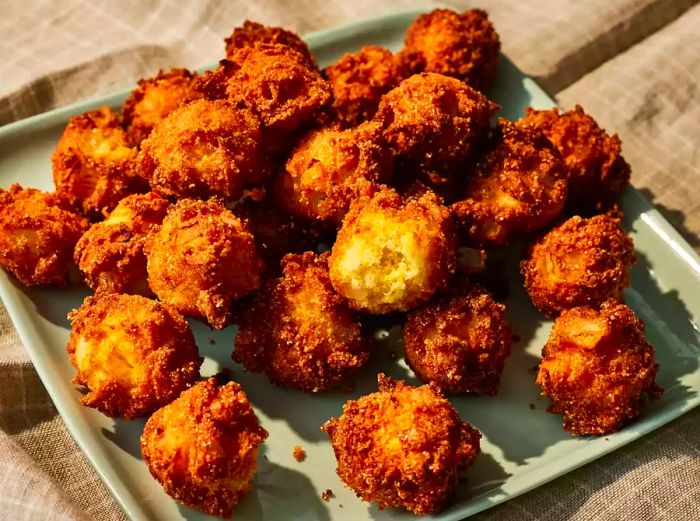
x: 402, y: 447
x: 203, y: 149
x: 462, y: 45
x: 359, y: 80
x: 110, y: 254
x: 581, y: 262
x: 392, y: 253
x: 434, y: 124
x: 154, y: 99
x: 459, y: 341
x: 330, y: 168
x: 518, y: 186
x: 310, y: 339
x: 277, y: 83
x: 252, y: 34
x: 133, y: 354
x: 597, y: 171
x: 94, y: 166
x: 201, y: 259
x: 597, y: 369
x: 203, y: 447
x: 38, y: 232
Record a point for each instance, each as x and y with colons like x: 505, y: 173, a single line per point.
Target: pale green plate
x: 522, y: 448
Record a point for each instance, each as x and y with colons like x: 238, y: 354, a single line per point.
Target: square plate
x: 522, y: 447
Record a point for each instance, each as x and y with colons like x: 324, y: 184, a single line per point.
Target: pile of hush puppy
x: 209, y: 196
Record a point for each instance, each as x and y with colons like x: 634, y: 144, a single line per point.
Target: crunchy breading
x: 597, y: 369
x: 310, y: 339
x: 133, y: 354
x: 581, y: 262
x: 204, y: 149
x: 201, y: 259
x: 518, y: 186
x: 330, y: 168
x: 597, y: 171
x: 462, y: 45
x: 203, y: 447
x: 252, y: 34
x: 153, y: 99
x: 402, y: 446
x: 459, y: 341
x: 38, y: 232
x: 110, y: 254
x: 434, y: 124
x: 94, y: 166
x: 277, y: 83
x: 359, y: 80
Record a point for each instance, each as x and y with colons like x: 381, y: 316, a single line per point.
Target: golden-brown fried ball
x: 38, y: 232
x: 359, y: 80
x: 330, y: 168
x: 110, y: 254
x: 252, y: 34
x: 277, y: 83
x: 433, y: 123
x: 462, y: 45
x: 201, y: 259
x: 597, y: 369
x: 277, y: 233
x: 94, y: 167
x: 203, y: 149
x: 132, y: 353
x: 518, y: 186
x: 393, y: 253
x: 310, y: 339
x: 402, y: 446
x: 581, y: 262
x: 597, y: 171
x: 154, y: 99
x: 203, y: 447
x: 459, y: 341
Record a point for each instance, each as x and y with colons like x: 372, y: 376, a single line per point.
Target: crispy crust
x: 330, y: 168
x: 402, y: 446
x: 277, y: 233
x: 462, y: 45
x: 38, y: 232
x: 359, y: 80
x: 203, y: 149
x: 434, y: 124
x: 133, y: 354
x: 310, y: 339
x: 202, y: 448
x: 597, y: 369
x: 93, y: 165
x: 252, y: 34
x: 393, y: 253
x: 518, y: 186
x: 459, y: 341
x: 110, y: 254
x: 276, y: 83
x: 597, y: 171
x: 201, y: 259
x: 581, y: 262
x: 153, y: 99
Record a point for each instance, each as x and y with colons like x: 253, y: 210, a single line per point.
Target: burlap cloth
x: 633, y: 64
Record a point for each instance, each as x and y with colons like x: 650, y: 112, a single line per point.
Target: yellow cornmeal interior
x: 385, y: 261
x: 110, y: 354
x: 105, y: 144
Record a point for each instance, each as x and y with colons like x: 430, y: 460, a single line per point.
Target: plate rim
x: 518, y: 485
